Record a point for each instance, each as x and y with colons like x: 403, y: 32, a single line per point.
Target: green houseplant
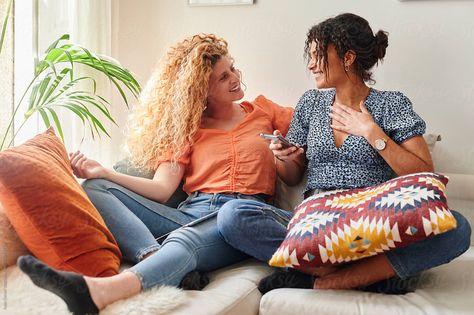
x: 55, y: 86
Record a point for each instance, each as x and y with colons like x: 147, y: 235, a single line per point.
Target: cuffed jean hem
x: 433, y: 251
x: 397, y: 265
x: 143, y: 252
x: 171, y: 279
x: 139, y: 276
x: 144, y: 285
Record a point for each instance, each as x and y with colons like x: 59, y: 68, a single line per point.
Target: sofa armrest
x: 460, y: 193
x: 460, y: 186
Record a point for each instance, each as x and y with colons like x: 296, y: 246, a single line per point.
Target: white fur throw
x: 18, y: 295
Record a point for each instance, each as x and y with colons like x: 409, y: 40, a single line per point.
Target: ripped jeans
x: 136, y: 222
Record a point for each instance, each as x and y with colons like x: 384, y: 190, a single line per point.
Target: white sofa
x: 448, y: 289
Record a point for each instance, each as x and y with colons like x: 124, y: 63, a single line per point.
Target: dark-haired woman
x: 349, y: 136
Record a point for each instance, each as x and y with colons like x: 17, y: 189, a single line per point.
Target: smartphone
x: 285, y: 143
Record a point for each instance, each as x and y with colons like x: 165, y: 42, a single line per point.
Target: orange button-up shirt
x: 237, y: 160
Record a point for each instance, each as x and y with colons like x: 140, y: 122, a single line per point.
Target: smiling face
x: 327, y: 74
x: 224, y: 82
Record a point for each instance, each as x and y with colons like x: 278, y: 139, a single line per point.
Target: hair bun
x: 381, y: 43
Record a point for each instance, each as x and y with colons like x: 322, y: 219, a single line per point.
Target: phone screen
x: 285, y: 143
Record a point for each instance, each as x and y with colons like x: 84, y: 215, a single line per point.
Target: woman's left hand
x: 348, y: 120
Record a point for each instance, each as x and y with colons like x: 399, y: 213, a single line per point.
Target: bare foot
x: 320, y: 271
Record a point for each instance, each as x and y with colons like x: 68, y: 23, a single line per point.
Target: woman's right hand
x: 287, y: 154
x: 86, y: 168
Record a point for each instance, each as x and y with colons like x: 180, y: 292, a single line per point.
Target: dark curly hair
x: 346, y: 32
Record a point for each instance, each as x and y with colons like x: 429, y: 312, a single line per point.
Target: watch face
x: 379, y: 144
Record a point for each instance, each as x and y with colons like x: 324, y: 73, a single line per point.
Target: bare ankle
x: 324, y: 271
x: 320, y: 271
x: 95, y: 292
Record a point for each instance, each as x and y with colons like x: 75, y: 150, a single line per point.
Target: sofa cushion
x: 231, y: 291
x: 442, y: 290
x: 51, y: 212
x: 346, y: 225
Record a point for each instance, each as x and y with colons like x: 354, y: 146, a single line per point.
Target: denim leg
x: 253, y: 227
x: 431, y: 252
x: 134, y: 220
x: 198, y: 247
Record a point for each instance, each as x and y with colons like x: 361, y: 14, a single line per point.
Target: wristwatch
x: 380, y: 144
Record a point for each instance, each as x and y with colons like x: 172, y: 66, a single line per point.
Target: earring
x: 346, y: 67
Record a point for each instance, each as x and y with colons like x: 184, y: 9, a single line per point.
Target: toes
x: 25, y: 262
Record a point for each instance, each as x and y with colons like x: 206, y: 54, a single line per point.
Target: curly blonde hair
x: 171, y: 105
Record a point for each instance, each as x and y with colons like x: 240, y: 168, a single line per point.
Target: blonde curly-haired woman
x: 190, y: 127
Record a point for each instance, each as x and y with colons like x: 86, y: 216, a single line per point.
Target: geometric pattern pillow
x: 346, y: 225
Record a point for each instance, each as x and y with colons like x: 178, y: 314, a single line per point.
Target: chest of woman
x: 324, y: 145
x: 235, y: 147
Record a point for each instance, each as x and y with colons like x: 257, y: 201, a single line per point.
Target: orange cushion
x: 51, y: 212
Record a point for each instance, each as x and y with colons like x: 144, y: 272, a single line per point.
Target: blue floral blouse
x: 355, y: 163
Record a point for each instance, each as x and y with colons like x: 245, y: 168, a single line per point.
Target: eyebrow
x: 225, y: 72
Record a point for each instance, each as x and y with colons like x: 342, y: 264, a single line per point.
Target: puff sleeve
x: 184, y: 158
x: 400, y: 120
x: 299, y: 127
x: 280, y: 116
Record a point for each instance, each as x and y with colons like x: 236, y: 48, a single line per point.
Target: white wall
x: 88, y: 22
x: 429, y: 58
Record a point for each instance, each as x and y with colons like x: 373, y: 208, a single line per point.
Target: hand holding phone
x: 278, y: 138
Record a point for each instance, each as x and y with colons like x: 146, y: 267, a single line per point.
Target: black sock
x: 194, y: 280
x: 71, y: 287
x: 285, y: 279
x: 393, y: 285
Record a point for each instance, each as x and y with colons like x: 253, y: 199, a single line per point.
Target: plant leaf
x: 5, y: 23
x: 68, y: 86
x: 55, y: 84
x: 32, y: 99
x: 42, y: 90
x: 56, y: 122
x: 95, y: 103
x: 45, y: 117
x: 74, y: 110
x: 55, y: 43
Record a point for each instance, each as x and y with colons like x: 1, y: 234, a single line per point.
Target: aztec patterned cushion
x: 345, y: 225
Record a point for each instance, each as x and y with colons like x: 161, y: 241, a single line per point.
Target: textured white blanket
x: 18, y: 295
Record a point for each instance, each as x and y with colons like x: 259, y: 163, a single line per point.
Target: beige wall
x: 6, y: 74
x: 429, y: 58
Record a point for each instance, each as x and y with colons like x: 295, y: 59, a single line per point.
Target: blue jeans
x: 136, y: 222
x: 257, y: 229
